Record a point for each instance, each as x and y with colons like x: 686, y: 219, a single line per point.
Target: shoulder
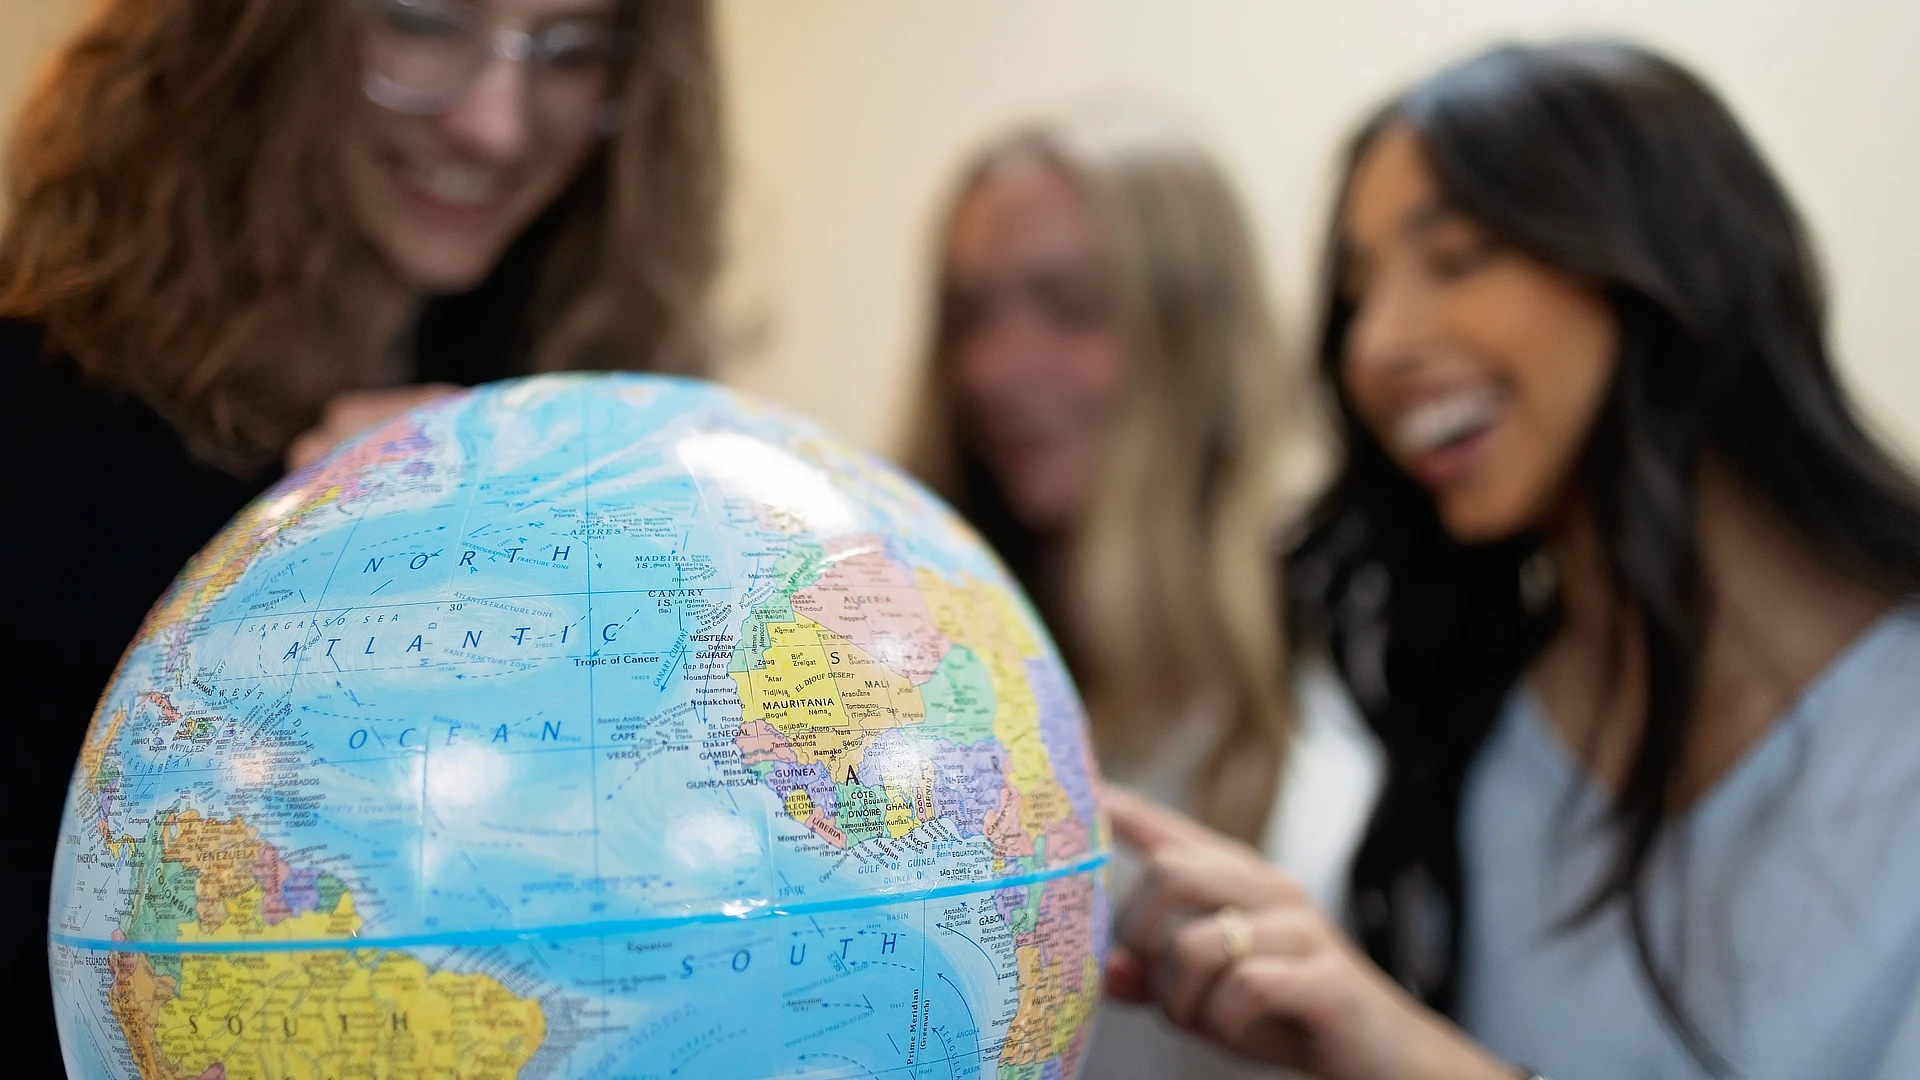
x: 73, y: 425
x: 25, y: 362
x: 42, y: 393
x: 1864, y: 710
x: 99, y: 481
x: 50, y: 402
x: 1882, y: 657
x: 1844, y: 784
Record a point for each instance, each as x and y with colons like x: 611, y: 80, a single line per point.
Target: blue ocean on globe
x: 587, y: 725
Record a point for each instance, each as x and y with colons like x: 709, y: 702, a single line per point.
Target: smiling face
x: 1033, y: 352
x: 1479, y: 368
x: 441, y: 196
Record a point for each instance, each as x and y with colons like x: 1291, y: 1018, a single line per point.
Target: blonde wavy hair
x: 1172, y: 596
x: 176, y: 221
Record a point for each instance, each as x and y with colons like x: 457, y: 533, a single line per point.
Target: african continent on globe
x: 584, y: 726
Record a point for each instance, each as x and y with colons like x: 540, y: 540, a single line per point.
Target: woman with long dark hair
x: 1626, y: 592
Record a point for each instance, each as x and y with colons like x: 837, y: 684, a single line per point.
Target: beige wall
x: 29, y: 29
x: 848, y: 116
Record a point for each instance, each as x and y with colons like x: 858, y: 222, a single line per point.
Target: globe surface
x: 584, y: 726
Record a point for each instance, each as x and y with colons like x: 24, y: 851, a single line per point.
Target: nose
x: 491, y: 120
x: 1005, y: 354
x: 1392, y: 320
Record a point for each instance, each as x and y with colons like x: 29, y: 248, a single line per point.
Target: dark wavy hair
x: 1622, y: 168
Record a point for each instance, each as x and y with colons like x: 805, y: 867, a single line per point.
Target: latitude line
x: 569, y: 931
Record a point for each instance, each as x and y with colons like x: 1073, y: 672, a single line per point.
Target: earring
x: 1539, y: 582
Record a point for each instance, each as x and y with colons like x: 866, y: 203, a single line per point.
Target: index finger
x: 1150, y: 827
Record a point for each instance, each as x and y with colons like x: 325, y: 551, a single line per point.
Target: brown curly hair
x: 177, y: 224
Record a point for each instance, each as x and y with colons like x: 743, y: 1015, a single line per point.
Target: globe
x: 585, y: 726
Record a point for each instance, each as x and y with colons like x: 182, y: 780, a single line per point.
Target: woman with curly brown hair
x: 234, y: 221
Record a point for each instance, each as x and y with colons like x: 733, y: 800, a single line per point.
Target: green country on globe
x: 585, y: 726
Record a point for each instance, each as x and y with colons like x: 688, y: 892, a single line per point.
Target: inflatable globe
x: 584, y: 726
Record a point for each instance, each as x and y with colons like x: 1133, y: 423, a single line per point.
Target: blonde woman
x: 1106, y: 401
x: 234, y: 221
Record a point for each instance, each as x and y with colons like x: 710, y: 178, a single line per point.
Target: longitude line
x: 593, y: 727
x: 446, y: 592
x: 593, y: 670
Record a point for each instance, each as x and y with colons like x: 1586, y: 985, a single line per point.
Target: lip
x: 1449, y: 433
x: 1444, y: 466
x: 435, y: 210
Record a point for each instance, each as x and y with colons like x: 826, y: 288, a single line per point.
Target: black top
x: 103, y: 505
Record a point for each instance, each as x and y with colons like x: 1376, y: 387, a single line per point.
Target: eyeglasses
x: 422, y: 57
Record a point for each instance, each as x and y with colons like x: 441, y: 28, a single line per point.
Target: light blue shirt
x: 1786, y: 901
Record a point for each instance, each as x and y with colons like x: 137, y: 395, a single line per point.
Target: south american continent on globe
x: 585, y: 726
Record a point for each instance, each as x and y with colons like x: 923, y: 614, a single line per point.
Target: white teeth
x: 1437, y: 422
x: 452, y: 184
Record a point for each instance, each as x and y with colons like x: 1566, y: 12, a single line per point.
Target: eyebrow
x: 582, y: 13
x: 581, y: 9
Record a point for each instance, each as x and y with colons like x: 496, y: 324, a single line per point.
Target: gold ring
x: 1236, y: 934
